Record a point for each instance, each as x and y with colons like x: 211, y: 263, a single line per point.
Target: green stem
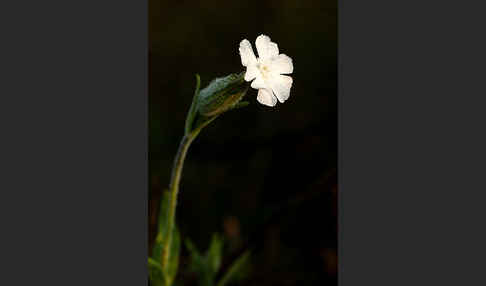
x: 174, y: 184
x: 174, y: 190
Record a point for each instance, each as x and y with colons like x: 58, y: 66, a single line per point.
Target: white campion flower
x: 267, y: 71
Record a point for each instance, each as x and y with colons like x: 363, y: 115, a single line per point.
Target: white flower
x: 267, y: 71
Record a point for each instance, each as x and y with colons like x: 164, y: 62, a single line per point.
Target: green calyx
x: 222, y: 94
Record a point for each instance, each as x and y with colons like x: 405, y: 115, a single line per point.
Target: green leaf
x: 200, y: 264
x: 193, y: 252
x: 156, y: 275
x: 195, y: 256
x: 236, y: 270
x: 174, y: 256
x: 192, y: 110
x: 162, y: 227
x: 214, y: 253
x: 169, y: 271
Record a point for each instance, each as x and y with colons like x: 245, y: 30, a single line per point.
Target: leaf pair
x: 207, y: 266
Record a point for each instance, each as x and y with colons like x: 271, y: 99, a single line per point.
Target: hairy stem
x: 174, y: 190
x: 174, y: 184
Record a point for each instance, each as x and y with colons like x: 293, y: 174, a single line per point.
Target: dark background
x: 264, y: 177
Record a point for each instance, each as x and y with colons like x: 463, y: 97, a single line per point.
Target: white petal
x: 281, y: 85
x: 266, y: 48
x: 246, y: 53
x: 266, y: 97
x: 251, y: 72
x: 259, y: 83
x: 282, y: 64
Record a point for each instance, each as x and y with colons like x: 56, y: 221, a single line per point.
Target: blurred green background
x: 265, y: 178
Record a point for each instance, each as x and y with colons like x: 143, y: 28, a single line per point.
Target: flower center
x: 264, y: 70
